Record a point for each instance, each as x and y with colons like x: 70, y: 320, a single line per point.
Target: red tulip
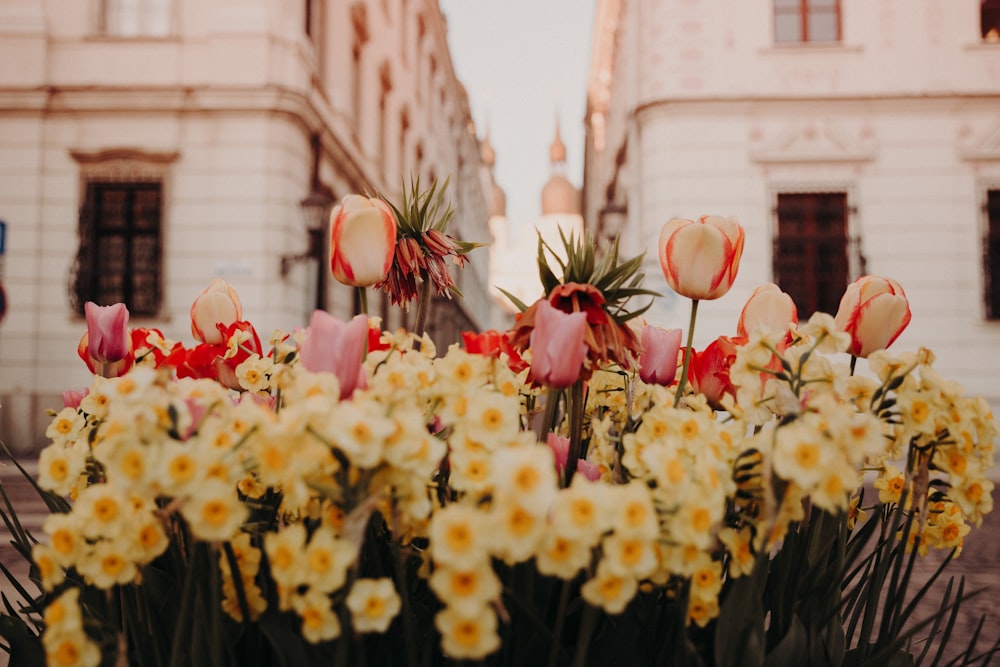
x: 767, y: 307
x: 710, y: 369
x: 874, y: 311
x: 486, y: 343
x: 700, y: 259
x: 362, y: 240
x: 229, y: 358
x: 658, y: 359
x: 218, y: 305
x: 557, y: 345
x: 106, y: 347
x: 333, y: 346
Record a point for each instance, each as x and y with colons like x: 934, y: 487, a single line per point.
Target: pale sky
x: 523, y: 62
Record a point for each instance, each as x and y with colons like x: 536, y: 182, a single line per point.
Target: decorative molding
x: 815, y: 141
x: 127, y: 165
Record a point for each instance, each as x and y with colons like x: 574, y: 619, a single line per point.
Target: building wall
x: 700, y: 112
x: 224, y: 106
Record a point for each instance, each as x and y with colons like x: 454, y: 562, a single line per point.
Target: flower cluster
x: 349, y: 480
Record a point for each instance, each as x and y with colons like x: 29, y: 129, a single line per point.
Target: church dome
x: 559, y: 196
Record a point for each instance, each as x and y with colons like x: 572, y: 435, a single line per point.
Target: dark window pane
x: 810, y: 251
x: 991, y: 255
x: 990, y: 20
x: 119, y: 258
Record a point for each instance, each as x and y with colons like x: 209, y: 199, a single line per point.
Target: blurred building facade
x: 848, y: 136
x: 149, y: 146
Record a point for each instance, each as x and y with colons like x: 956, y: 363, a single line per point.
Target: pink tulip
x: 332, y: 346
x: 874, y: 311
x: 362, y: 240
x: 700, y: 259
x: 658, y: 359
x: 106, y: 346
x: 557, y: 345
x: 217, y: 305
x: 72, y: 398
x: 559, y: 444
x: 767, y: 307
x: 107, y: 332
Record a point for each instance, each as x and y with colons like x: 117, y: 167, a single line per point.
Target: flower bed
x: 580, y: 489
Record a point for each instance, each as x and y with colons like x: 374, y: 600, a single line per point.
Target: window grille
x: 120, y: 256
x: 991, y: 255
x: 811, y: 261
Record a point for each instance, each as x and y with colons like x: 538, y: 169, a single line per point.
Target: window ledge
x: 983, y: 46
x: 811, y: 47
x: 110, y: 37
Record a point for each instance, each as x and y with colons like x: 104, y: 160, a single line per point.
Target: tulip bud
x: 767, y: 307
x: 362, y: 240
x: 700, y: 259
x: 218, y: 305
x: 658, y: 360
x: 874, y: 311
x: 332, y: 346
x: 557, y: 345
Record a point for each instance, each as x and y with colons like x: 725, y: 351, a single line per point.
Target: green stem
x: 556, y: 647
x: 549, y: 416
x: 587, y: 624
x: 363, y: 299
x: 423, y: 304
x: 576, y: 415
x: 687, y: 354
x: 402, y: 585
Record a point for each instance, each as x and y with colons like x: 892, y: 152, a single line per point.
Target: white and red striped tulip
x: 362, y: 240
x: 218, y: 305
x: 874, y: 311
x: 700, y: 259
x: 769, y: 308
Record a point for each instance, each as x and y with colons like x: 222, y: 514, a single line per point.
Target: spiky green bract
x: 618, y: 281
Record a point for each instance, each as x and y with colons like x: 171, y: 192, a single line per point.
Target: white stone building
x: 848, y: 136
x: 148, y: 146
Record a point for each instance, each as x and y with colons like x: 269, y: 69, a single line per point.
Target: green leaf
x: 739, y: 633
x: 514, y: 300
x: 791, y: 648
x: 26, y: 646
